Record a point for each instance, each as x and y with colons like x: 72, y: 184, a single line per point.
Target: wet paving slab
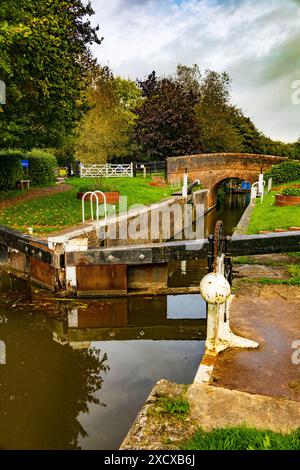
x: 256, y: 271
x: 272, y: 369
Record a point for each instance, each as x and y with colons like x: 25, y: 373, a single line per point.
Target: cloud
x: 256, y: 41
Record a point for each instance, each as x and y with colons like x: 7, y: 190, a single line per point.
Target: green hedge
x: 285, y: 172
x: 41, y: 167
x: 291, y: 192
x: 10, y: 169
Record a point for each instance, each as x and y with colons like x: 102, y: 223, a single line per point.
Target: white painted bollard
x: 215, y: 289
x: 185, y: 185
x: 261, y: 184
x: 253, y: 195
x: 74, y: 245
x: 270, y: 183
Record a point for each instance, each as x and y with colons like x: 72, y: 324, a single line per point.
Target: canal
x: 74, y: 374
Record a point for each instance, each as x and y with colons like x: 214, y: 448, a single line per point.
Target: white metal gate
x: 107, y: 170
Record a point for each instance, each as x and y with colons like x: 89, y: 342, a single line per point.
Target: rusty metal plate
x: 101, y: 278
x: 42, y: 273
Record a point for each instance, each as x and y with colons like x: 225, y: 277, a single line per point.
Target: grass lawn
x: 137, y: 190
x: 268, y: 217
x: 243, y: 439
x: 51, y: 213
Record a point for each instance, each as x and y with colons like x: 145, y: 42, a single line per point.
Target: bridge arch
x: 215, y: 186
x: 212, y: 169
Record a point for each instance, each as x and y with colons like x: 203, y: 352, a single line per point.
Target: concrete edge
x: 205, y: 370
x: 244, y: 222
x: 141, y: 419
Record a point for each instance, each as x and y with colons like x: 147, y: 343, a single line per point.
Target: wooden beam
x: 186, y: 250
x: 26, y: 244
x: 141, y: 254
x: 195, y: 330
x: 269, y: 243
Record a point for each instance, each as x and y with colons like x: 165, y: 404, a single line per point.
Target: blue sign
x: 246, y: 185
x: 25, y: 163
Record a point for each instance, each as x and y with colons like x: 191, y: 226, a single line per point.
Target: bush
x: 284, y: 172
x: 65, y: 155
x: 290, y: 192
x: 10, y: 169
x: 41, y: 167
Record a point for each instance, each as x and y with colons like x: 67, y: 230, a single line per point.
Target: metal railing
x: 94, y: 194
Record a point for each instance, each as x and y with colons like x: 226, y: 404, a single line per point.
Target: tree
x: 166, y: 124
x: 189, y: 78
x: 45, y: 59
x: 296, y: 150
x: 105, y: 133
x: 252, y: 140
x: 215, y: 115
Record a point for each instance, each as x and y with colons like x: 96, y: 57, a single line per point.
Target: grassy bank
x: 51, y: 213
x: 243, y: 439
x: 268, y: 217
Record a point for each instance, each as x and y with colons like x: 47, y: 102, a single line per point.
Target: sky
x: 256, y: 41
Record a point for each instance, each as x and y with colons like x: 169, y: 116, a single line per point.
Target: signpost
x: 25, y: 164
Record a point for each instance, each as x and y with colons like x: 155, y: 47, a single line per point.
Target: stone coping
x: 85, y: 229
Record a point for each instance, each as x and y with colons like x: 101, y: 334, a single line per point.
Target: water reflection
x: 135, y: 366
x: 76, y: 374
x: 44, y: 386
x: 193, y: 306
x: 230, y: 212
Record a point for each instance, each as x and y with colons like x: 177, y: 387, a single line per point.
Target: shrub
x: 41, y: 167
x: 10, y: 169
x: 65, y: 155
x: 290, y: 192
x: 284, y: 172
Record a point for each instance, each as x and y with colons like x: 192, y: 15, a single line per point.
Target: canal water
x: 74, y: 374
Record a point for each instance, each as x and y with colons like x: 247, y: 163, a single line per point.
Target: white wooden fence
x: 107, y: 170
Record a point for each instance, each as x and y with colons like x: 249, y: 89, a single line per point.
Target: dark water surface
x: 75, y: 374
x: 190, y: 273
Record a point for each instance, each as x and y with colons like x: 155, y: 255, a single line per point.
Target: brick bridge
x: 212, y: 169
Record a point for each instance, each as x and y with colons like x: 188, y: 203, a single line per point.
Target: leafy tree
x: 106, y: 131
x: 148, y: 86
x: 296, y: 150
x: 252, y: 140
x: 44, y: 60
x: 279, y: 148
x: 191, y: 112
x: 189, y: 78
x: 215, y: 115
x: 166, y: 123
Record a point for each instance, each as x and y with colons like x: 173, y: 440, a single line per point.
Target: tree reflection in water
x: 44, y: 386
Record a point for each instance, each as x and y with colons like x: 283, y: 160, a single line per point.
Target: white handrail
x: 105, y: 204
x: 83, y: 208
x: 94, y: 194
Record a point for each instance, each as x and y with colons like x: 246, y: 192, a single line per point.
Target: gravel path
x: 34, y: 193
